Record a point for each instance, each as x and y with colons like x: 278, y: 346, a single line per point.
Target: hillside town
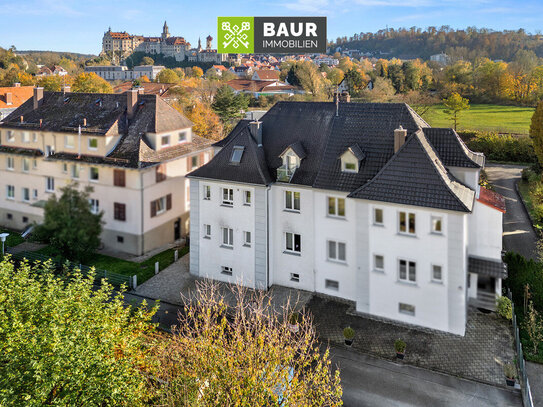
x: 184, y: 227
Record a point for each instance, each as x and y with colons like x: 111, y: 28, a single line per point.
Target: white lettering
x: 293, y: 29
x: 311, y: 29
x: 269, y: 30
x: 282, y: 30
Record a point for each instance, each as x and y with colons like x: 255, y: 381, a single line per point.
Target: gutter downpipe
x: 142, y: 213
x: 268, y: 237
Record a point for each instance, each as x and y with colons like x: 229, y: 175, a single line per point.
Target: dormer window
x: 237, y: 153
x: 292, y: 157
x: 351, y: 159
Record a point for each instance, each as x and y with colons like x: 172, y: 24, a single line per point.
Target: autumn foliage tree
x: 454, y: 105
x: 207, y: 123
x: 89, y: 82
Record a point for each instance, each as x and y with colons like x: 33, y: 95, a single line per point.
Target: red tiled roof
x: 220, y: 67
x: 19, y: 95
x: 257, y: 86
x: 149, y: 88
x: 120, y: 36
x: 492, y: 199
x: 264, y: 74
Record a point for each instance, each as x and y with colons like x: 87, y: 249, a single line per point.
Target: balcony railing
x: 284, y: 174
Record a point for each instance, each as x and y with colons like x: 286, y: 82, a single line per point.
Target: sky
x: 78, y: 26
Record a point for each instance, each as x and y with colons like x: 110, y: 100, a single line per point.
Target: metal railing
x: 527, y: 399
x: 284, y: 174
x: 115, y: 279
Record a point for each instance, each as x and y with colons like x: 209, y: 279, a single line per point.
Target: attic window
x: 66, y: 100
x: 98, y: 102
x: 351, y: 158
x: 237, y: 153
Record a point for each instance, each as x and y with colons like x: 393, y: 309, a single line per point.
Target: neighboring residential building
x: 266, y: 75
x: 122, y: 73
x: 167, y: 91
x: 442, y: 58
x: 133, y: 149
x: 263, y: 88
x: 123, y: 44
x: 242, y: 71
x: 11, y: 97
x: 49, y: 71
x: 361, y: 201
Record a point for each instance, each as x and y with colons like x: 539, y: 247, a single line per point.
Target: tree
x: 536, y: 131
x: 534, y: 327
x: 455, y: 104
x: 144, y: 79
x: 65, y: 343
x: 228, y: 105
x: 91, y: 83
x: 147, y: 61
x: 69, y: 225
x: 206, y: 122
x: 197, y: 72
x: 241, y: 352
x: 335, y: 76
x: 354, y: 80
x: 167, y: 76
x: 54, y: 82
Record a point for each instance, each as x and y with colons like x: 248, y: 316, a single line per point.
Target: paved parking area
x: 479, y: 355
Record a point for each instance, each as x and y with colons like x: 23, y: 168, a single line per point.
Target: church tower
x: 209, y: 39
x: 165, y: 31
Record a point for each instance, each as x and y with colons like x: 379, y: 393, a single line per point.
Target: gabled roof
x: 356, y: 151
x: 298, y: 149
x: 149, y: 88
x: 268, y: 74
x: 19, y: 95
x: 492, y: 199
x: 249, y: 85
x: 451, y: 149
x: 415, y: 176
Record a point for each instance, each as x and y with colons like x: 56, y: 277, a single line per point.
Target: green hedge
x: 500, y: 147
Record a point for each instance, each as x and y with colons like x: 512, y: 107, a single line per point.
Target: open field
x: 506, y: 119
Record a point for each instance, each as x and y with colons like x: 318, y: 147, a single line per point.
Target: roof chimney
x: 84, y: 122
x: 256, y: 131
x: 9, y: 98
x: 131, y: 101
x: 38, y: 97
x: 16, y: 85
x: 66, y: 89
x: 22, y: 119
x: 399, y: 138
x: 141, y: 90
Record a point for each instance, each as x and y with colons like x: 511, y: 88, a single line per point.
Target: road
x: 518, y: 234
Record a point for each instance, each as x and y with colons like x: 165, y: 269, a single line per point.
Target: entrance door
x: 177, y: 229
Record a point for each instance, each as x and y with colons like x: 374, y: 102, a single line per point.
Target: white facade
x: 122, y: 73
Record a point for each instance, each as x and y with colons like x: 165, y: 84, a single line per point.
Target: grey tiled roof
x: 451, y: 149
x: 298, y: 149
x: 29, y: 152
x: 415, y: 175
x: 492, y: 268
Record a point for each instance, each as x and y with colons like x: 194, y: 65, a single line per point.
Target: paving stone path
x: 479, y: 355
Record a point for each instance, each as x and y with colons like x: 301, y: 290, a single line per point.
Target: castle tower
x: 199, y: 44
x: 208, y: 42
x: 165, y: 31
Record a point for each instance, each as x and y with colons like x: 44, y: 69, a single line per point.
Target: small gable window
x: 237, y: 153
x: 351, y: 159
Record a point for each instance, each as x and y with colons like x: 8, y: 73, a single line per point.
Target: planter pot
x: 294, y: 328
x: 348, y: 342
x: 510, y: 382
x: 400, y: 355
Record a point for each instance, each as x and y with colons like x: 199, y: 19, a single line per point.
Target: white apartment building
x: 122, y: 73
x: 361, y: 201
x: 133, y: 149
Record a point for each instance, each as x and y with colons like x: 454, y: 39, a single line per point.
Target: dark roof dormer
x: 292, y: 157
x: 352, y: 158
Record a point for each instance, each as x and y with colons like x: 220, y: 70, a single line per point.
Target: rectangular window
x: 378, y: 216
x: 11, y: 192
x: 50, y: 184
x: 336, y: 251
x: 207, y: 192
x: 336, y: 206
x: 34, y: 194
x: 93, y: 143
x: 25, y: 137
x: 293, y: 242
x: 75, y: 171
x: 295, y: 277
x: 437, y: 273
x: 34, y: 137
x: 194, y: 162
x: 69, y: 141
x: 228, y: 237
x: 119, y: 178
x: 246, y: 197
x: 406, y: 309
x: 292, y: 200
x: 26, y: 165
x: 237, y: 153
x: 34, y: 164
x: 64, y: 168
x: 120, y: 239
x: 226, y: 270
x: 247, y: 239
x: 93, y: 174
x: 10, y: 163
x: 407, y: 223
x: 207, y: 231
x: 165, y: 141
x: 161, y: 205
x: 160, y: 173
x: 26, y: 194
x: 95, y: 205
x: 331, y: 285
x: 10, y: 135
x: 228, y: 196
x: 437, y: 226
x: 119, y: 211
x: 182, y: 137
x: 407, y: 271
x: 379, y: 262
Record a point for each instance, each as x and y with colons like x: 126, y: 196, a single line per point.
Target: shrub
x: 293, y: 319
x: 509, y: 370
x: 504, y: 308
x: 499, y: 147
x: 348, y: 333
x: 521, y: 272
x: 399, y: 346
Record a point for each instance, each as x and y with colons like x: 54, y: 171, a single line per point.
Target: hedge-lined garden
x: 500, y: 147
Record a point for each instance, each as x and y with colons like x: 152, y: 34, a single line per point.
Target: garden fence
x: 527, y: 399
x: 115, y: 279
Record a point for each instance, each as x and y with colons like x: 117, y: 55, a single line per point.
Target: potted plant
x: 510, y: 373
x: 348, y: 333
x: 399, y: 347
x: 292, y: 322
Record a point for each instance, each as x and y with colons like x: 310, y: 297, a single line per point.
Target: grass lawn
x: 144, y: 270
x: 506, y: 119
x: 13, y: 239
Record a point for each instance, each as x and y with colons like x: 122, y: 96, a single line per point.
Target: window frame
x: 118, y: 210
x: 331, y: 284
x: 75, y: 172
x: 182, y: 137
x: 10, y: 136
x: 293, y: 249
x: 207, y: 231
x: 161, y: 205
x: 336, y: 244
x: 67, y: 139
x: 230, y: 197
x: 406, y: 311
x: 25, y: 137
x: 335, y: 206
x: 227, y: 271
x: 24, y: 198
x: 207, y: 192
x: 292, y: 201
x: 247, y: 238
x: 10, y: 192
x: 433, y: 221
x: 375, y: 221
x: 89, y: 143
x: 408, y: 217
x: 10, y: 160
x: 168, y: 143
x: 227, y: 237
x: 408, y: 264
x: 49, y: 182
x: 91, y: 179
x: 295, y: 277
x: 380, y: 269
x: 247, y: 194
x: 95, y: 205
x: 432, y: 271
